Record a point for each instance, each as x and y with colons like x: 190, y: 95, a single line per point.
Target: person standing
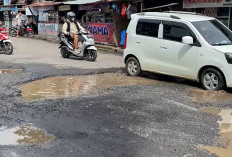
x: 18, y: 22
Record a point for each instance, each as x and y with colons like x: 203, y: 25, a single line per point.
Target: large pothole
x: 225, y: 132
x: 66, y: 86
x: 203, y: 96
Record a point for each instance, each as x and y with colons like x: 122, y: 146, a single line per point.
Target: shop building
x: 220, y: 9
x: 105, y: 19
x: 47, y: 17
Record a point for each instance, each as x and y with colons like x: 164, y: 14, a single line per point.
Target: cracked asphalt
x: 158, y: 120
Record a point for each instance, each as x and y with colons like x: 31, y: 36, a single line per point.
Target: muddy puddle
x: 66, y: 86
x: 5, y: 71
x: 225, y: 132
x: 27, y: 135
x: 203, y: 96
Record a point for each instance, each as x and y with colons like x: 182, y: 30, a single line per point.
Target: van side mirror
x: 187, y: 40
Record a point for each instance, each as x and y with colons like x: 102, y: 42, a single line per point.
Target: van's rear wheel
x: 133, y: 67
x: 212, y: 79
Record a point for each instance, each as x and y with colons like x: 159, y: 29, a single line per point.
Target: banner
x: 206, y: 3
x: 48, y: 29
x: 6, y: 2
x: 32, y: 11
x: 64, y: 8
x: 102, y: 32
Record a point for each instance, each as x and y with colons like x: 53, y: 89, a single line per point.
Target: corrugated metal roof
x: 79, y: 2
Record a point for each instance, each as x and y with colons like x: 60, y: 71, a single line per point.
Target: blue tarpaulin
x: 123, y: 34
x: 15, y: 8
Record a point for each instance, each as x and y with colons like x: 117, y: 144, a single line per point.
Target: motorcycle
x: 25, y: 30
x: 86, y: 43
x: 6, y: 46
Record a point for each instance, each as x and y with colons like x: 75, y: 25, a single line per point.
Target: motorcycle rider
x: 71, y: 28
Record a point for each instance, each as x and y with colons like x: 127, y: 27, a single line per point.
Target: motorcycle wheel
x: 64, y: 52
x: 91, y: 55
x: 8, y: 48
x: 13, y: 33
x: 31, y: 34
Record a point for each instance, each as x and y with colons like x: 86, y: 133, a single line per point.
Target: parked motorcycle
x: 86, y: 43
x: 25, y: 30
x: 6, y: 46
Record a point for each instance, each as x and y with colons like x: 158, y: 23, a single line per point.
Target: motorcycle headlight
x: 229, y: 57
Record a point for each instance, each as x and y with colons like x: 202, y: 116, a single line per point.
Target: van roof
x: 187, y: 16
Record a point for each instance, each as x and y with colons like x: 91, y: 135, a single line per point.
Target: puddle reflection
x: 203, y: 96
x: 4, y: 71
x: 24, y: 135
x: 66, y: 86
x: 225, y: 132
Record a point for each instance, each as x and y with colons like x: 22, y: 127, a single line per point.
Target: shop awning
x: 43, y: 4
x: 79, y: 2
x: 162, y: 6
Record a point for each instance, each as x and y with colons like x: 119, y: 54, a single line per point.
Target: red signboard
x: 102, y: 32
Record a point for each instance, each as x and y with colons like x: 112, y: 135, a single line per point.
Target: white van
x: 181, y: 44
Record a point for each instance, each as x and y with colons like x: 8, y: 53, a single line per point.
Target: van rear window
x: 148, y: 28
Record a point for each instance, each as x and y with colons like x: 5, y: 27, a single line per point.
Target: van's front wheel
x: 212, y: 79
x: 133, y: 67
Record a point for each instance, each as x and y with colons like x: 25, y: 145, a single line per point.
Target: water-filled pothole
x: 27, y: 134
x: 4, y: 71
x: 66, y: 86
x: 203, y: 96
x: 225, y: 132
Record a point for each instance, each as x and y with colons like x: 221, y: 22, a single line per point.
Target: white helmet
x: 71, y: 16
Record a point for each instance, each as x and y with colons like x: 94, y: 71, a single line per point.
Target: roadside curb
x: 101, y: 47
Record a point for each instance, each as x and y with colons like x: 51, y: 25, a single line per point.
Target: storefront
x: 220, y: 9
x: 99, y: 21
x: 106, y: 20
x: 48, y: 19
x: 7, y: 11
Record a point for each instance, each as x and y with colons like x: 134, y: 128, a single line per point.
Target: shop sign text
x: 102, y: 32
x: 48, y: 28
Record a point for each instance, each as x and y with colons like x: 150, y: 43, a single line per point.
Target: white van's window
x: 214, y: 32
x: 174, y: 33
x: 147, y: 28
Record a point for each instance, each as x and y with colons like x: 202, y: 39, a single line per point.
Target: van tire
x: 212, y: 79
x: 133, y: 67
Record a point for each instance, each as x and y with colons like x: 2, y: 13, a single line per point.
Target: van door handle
x: 163, y: 47
x: 137, y: 42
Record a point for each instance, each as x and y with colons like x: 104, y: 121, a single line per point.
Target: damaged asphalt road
x: 157, y: 119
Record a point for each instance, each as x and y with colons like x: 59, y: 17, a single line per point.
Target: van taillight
x: 125, y: 41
